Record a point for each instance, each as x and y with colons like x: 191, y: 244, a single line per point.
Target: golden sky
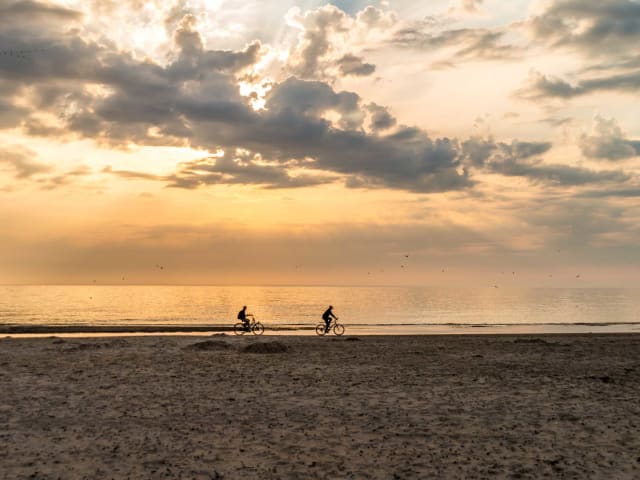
x: 389, y: 142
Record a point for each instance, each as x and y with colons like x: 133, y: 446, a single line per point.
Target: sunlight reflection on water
x: 365, y: 309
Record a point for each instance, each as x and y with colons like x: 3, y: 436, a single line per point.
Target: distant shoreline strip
x: 161, y: 328
x: 16, y: 329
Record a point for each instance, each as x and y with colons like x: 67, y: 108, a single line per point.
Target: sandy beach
x: 384, y: 407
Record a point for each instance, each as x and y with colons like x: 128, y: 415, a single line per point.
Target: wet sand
x: 386, y: 407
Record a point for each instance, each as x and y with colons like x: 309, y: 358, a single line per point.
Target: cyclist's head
x: 330, y: 307
x: 244, y: 308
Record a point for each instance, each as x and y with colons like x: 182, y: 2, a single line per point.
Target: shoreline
x: 300, y: 329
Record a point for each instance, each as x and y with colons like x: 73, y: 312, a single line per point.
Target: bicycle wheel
x: 320, y: 329
x: 239, y: 329
x: 257, y: 328
x: 338, y: 329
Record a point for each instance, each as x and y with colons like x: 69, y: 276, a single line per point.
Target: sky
x: 450, y: 142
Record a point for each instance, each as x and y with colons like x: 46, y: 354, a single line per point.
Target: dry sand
x: 377, y: 407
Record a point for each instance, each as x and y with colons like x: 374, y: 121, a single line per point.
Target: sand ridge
x: 382, y: 407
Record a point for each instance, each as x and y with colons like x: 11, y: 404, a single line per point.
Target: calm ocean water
x: 361, y: 309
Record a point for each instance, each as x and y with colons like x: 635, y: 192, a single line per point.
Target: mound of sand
x: 266, y: 347
x: 209, y: 345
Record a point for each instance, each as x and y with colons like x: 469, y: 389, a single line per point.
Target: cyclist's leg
x: 327, y: 324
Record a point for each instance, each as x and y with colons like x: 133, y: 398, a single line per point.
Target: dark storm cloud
x: 608, y: 142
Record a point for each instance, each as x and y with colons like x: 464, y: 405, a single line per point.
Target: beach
x: 271, y: 407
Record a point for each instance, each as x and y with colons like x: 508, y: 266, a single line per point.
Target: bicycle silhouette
x: 321, y: 328
x: 254, y: 327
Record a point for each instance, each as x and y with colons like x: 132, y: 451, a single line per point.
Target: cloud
x: 13, y: 13
x: 468, y: 43
x: 592, y: 27
x: 588, y: 225
x: 194, y: 100
x: 243, y: 169
x: 611, y: 193
x: 557, y: 174
x: 381, y: 119
x: 307, y: 134
x: 25, y: 166
x: 132, y: 175
x: 10, y: 114
x: 327, y: 39
x: 540, y: 86
x: 607, y: 142
x: 470, y: 5
x: 56, y: 181
x: 21, y: 161
x: 352, y: 65
x: 520, y: 159
x: 601, y: 31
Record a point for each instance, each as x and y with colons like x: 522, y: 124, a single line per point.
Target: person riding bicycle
x: 327, y: 316
x: 243, y: 317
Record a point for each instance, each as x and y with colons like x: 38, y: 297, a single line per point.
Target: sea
x: 296, y: 310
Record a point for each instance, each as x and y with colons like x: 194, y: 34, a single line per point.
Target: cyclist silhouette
x: 243, y: 317
x: 327, y: 316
